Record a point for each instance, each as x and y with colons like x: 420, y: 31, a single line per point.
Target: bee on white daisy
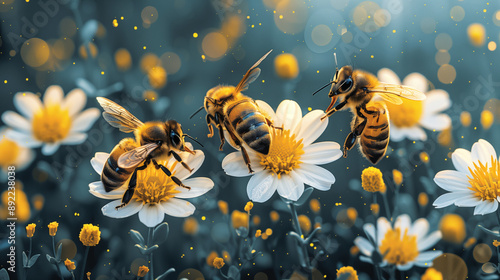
x: 11, y: 154
x: 57, y: 121
x: 408, y: 118
x: 475, y: 182
x: 292, y: 160
x: 156, y: 194
x: 403, y: 245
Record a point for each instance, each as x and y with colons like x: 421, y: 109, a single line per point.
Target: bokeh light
x: 35, y: 52
x: 214, y: 45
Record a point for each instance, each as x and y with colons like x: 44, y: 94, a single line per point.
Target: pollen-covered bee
x: 153, y: 141
x: 356, y: 89
x: 238, y: 115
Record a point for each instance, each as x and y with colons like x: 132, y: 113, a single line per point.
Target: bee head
x: 175, y: 137
x: 343, y: 82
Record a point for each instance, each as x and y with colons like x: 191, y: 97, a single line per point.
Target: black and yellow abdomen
x: 374, y: 140
x: 249, y: 124
x: 113, y: 176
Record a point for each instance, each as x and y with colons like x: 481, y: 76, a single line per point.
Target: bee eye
x: 347, y: 84
x: 174, y: 137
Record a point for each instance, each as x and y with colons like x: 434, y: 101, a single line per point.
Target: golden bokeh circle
x: 442, y: 57
x: 35, y: 52
x: 457, y: 13
x: 134, y: 266
x: 451, y: 266
x: 123, y: 59
x: 477, y: 34
x: 171, y: 62
x: 291, y: 16
x: 149, y: 14
x: 214, y: 45
x: 68, y: 249
x: 447, y: 74
x: 443, y: 41
x: 482, y: 253
x: 321, y: 35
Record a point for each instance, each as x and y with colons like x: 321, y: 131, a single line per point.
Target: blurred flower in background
x: 12, y: 154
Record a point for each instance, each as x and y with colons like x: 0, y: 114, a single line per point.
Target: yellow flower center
x: 485, y: 180
x: 9, y: 151
x: 154, y: 186
x: 284, y: 153
x: 407, y: 114
x: 51, y: 124
x: 397, y: 249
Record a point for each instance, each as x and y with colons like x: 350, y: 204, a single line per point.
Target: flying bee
x: 238, y: 115
x: 153, y: 141
x: 356, y: 90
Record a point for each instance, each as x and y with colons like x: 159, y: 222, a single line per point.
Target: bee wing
x: 392, y: 93
x: 134, y: 157
x: 118, y: 117
x: 251, y: 75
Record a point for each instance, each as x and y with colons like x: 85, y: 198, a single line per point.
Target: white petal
x: 437, y: 100
x: 321, y: 153
x: 386, y: 75
x: 75, y: 138
x: 49, y: 149
x: 428, y: 257
x: 288, y: 115
x: 311, y: 127
x: 126, y: 211
x: 417, y: 81
x: 448, y: 199
x: 230, y: 141
x: 27, y: 103
x: 315, y: 176
x: 97, y: 165
x: 483, y: 151
x: 383, y: 225
x: 416, y: 134
x: 266, y: 109
x: 370, y: 230
x: 468, y: 201
x: 486, y: 207
x: 234, y: 165
x: 97, y: 189
x: 436, y: 122
x: 261, y: 186
x: 24, y: 159
x: 74, y: 101
x: 364, y: 246
x: 429, y: 241
x: 151, y: 214
x: 462, y: 159
x: 368, y: 260
x: 22, y: 138
x: 397, y: 134
x: 85, y: 120
x: 101, y: 156
x: 16, y: 121
x: 290, y: 186
x: 419, y: 228
x: 53, y: 95
x: 193, y: 161
x: 199, y: 186
x: 403, y: 222
x: 404, y: 267
x: 178, y: 207
x: 452, y: 180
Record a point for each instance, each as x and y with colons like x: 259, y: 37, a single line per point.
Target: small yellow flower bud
x: 352, y: 214
x: 157, y: 77
x: 452, y: 227
x: 30, y: 230
x: 264, y: 236
x: 397, y: 177
x: 70, y: 266
x: 423, y: 199
x: 487, y: 119
x: 88, y: 275
x: 248, y: 206
x: 211, y: 257
x: 190, y: 226
x: 53, y: 228
x: 465, y: 119
x: 424, y: 157
x: 90, y: 235
x: 315, y: 205
x: 347, y: 271
x: 471, y: 241
x: 445, y: 137
x: 354, y: 250
x: 305, y: 224
x: 219, y: 263
x: 496, y: 243
x: 258, y: 233
x: 269, y: 232
x: 38, y: 201
x: 432, y: 274
x: 375, y: 207
x: 223, y: 208
x: 372, y: 181
x: 274, y: 216
x: 256, y: 220
x: 317, y: 225
x: 143, y: 270
x: 239, y: 219
x: 226, y: 256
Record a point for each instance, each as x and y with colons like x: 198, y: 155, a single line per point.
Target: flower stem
x: 386, y: 204
x: 72, y: 275
x: 296, y: 224
x: 87, y: 248
x: 379, y: 273
x: 54, y: 250
x: 150, y: 239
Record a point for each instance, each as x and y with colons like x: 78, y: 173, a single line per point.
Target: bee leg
x: 210, y: 127
x: 246, y: 158
x: 179, y: 159
x: 129, y: 193
x: 350, y: 141
x: 220, y: 126
x: 335, y: 109
x: 169, y: 174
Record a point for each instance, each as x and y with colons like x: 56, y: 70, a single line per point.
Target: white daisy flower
x: 292, y: 159
x: 404, y: 245
x: 49, y: 124
x: 475, y: 183
x: 11, y: 154
x: 155, y: 193
x: 408, y: 118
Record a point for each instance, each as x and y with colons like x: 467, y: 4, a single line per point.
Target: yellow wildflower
x: 143, y: 270
x: 211, y: 257
x: 248, y: 206
x: 190, y: 226
x: 53, y: 228
x: 219, y: 263
x: 258, y: 233
x: 375, y: 207
x: 372, y: 181
x: 90, y: 235
x: 496, y: 243
x: 347, y: 270
x: 30, y: 230
x: 239, y: 219
x: 305, y: 224
x: 315, y: 205
x: 223, y: 207
x: 70, y: 266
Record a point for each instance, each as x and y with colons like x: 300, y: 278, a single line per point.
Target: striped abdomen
x: 375, y: 137
x: 113, y: 176
x: 249, y: 124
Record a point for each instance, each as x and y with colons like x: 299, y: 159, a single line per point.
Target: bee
x: 238, y: 115
x: 153, y: 141
x: 356, y: 90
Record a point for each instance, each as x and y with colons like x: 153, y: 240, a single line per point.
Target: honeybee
x: 238, y: 115
x: 356, y: 89
x: 153, y: 141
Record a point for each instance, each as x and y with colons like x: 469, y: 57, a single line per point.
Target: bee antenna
x: 329, y: 83
x: 188, y: 136
x: 336, y: 67
x: 197, y: 111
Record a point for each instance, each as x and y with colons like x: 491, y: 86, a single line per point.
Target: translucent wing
x: 118, y: 117
x: 134, y: 157
x: 391, y: 92
x: 251, y: 75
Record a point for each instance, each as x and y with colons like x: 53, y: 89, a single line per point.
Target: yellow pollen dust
x: 399, y: 249
x: 407, y: 114
x: 485, y: 180
x: 9, y: 151
x: 154, y: 186
x: 284, y: 153
x: 51, y: 124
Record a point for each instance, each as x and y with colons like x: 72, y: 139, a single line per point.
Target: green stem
x: 87, y: 248
x: 379, y: 273
x: 386, y: 204
x: 57, y: 264
x: 31, y: 246
x: 150, y: 239
x: 296, y: 224
x: 72, y: 275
